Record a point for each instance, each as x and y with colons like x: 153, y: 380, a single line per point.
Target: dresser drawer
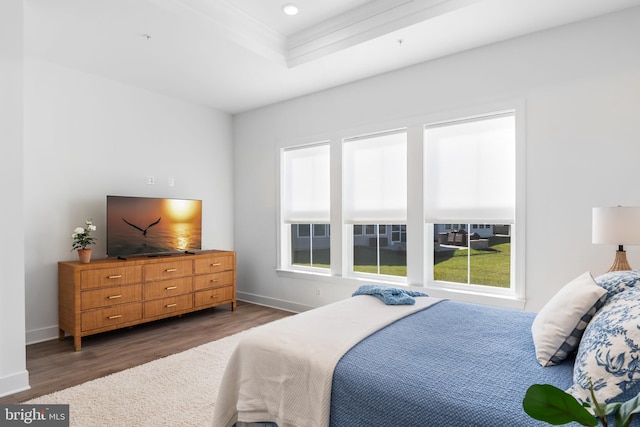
x: 111, y: 316
x: 213, y: 280
x: 168, y: 270
x: 214, y: 264
x: 168, y: 288
x: 107, y: 297
x: 113, y: 276
x: 213, y: 296
x: 168, y: 305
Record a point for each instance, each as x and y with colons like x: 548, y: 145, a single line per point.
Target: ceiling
x: 237, y: 55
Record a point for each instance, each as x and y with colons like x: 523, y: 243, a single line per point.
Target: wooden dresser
x: 108, y: 294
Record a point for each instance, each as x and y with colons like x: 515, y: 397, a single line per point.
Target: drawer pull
x: 115, y: 276
x: 217, y: 264
x: 117, y: 316
x: 171, y: 270
x: 170, y: 305
x: 215, y: 296
x: 214, y: 280
x: 170, y: 288
x: 115, y: 296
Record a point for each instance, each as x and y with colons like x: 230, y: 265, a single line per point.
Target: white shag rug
x: 178, y: 390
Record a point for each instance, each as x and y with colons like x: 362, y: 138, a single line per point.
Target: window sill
x: 471, y: 296
x: 328, y: 278
x: 476, y: 297
x: 299, y: 274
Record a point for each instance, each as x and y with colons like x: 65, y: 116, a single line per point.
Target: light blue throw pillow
x: 609, y: 352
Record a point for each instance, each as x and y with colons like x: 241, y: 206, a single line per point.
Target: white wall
x: 581, y: 87
x: 86, y: 137
x: 13, y: 373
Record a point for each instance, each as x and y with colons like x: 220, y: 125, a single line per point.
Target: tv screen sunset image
x: 143, y: 225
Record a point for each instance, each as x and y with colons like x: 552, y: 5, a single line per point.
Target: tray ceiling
x: 237, y: 55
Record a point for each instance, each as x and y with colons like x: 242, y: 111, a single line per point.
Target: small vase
x: 84, y: 255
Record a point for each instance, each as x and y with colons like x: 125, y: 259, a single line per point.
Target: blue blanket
x: 390, y: 295
x: 453, y: 364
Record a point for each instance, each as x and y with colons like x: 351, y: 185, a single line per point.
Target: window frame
x: 379, y: 277
x: 284, y: 256
x: 517, y: 289
x: 371, y: 228
x: 419, y: 255
x: 287, y: 259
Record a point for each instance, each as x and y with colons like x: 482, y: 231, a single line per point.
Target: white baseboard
x: 273, y: 302
x: 14, y: 383
x: 40, y: 335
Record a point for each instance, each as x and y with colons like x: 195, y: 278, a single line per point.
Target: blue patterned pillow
x: 609, y: 352
x: 618, y: 281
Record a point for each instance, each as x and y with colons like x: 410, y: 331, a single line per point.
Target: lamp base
x: 620, y: 262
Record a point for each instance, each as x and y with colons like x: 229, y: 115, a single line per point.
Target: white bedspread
x: 282, y: 372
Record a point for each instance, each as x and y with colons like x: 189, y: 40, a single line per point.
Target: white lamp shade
x: 616, y: 225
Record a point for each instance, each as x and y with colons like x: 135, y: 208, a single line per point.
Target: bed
x: 435, y: 363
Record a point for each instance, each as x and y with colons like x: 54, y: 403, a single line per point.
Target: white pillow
x: 558, y: 327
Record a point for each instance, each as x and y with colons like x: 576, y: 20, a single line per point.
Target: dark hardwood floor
x: 53, y: 365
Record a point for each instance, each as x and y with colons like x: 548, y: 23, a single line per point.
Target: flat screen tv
x: 152, y: 226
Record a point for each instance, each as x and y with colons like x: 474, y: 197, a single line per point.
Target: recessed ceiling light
x: 290, y: 9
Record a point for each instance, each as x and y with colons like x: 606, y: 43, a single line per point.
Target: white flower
x: 82, y: 236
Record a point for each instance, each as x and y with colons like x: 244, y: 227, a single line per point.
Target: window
x: 473, y: 259
x: 306, y: 205
x: 320, y: 230
x: 375, y: 200
x: 303, y: 230
x: 428, y: 204
x: 470, y: 178
x: 378, y: 253
x: 399, y: 234
x: 307, y: 249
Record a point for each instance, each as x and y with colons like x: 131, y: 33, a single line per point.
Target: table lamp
x: 618, y: 226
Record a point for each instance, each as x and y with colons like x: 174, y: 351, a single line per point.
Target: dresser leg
x: 233, y: 306
x: 60, y: 334
x: 77, y: 343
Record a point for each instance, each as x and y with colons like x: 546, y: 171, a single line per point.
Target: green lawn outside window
x: 488, y: 267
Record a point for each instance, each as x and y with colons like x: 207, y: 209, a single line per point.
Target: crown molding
x: 374, y: 19
x: 234, y: 25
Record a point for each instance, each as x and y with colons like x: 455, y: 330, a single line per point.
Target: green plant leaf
x: 547, y: 403
x: 610, y: 408
x: 595, y: 405
x: 627, y: 411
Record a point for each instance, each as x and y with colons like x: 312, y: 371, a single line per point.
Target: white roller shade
x: 375, y: 179
x: 306, y: 184
x: 470, y: 171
